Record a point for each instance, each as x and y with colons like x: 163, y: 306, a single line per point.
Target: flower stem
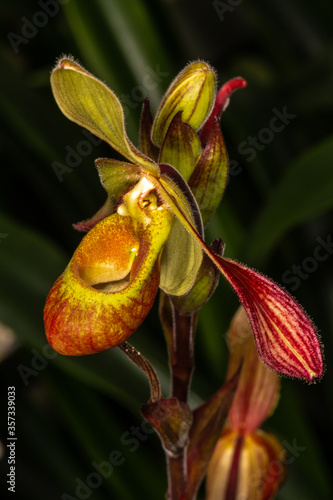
x: 182, y: 358
x: 177, y: 474
x: 179, y: 333
x: 140, y: 361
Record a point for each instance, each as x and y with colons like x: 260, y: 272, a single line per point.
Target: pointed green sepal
x: 117, y: 177
x: 91, y: 104
x: 182, y: 255
x: 192, y: 92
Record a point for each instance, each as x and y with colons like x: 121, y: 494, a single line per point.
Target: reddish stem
x: 182, y: 359
x: 177, y: 477
x: 180, y: 338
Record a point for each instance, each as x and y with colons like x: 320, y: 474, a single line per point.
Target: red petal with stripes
x: 285, y: 337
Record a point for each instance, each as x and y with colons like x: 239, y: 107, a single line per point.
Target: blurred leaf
x: 305, y: 191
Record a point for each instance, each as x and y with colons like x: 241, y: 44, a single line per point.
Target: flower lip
x: 112, y: 280
x: 113, y: 286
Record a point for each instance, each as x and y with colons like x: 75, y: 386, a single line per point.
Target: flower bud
x: 245, y: 467
x: 193, y: 93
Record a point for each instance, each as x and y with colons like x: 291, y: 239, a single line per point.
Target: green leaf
x: 304, y: 192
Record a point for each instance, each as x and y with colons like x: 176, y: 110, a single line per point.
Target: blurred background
x: 72, y: 415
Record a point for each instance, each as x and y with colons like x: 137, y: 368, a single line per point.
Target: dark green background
x: 73, y: 412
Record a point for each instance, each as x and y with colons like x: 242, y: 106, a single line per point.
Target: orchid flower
x: 149, y: 234
x: 247, y: 462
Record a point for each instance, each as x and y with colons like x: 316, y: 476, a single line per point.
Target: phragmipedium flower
x: 112, y: 279
x: 175, y: 184
x: 247, y: 462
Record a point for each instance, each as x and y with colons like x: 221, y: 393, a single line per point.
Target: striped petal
x: 285, y: 337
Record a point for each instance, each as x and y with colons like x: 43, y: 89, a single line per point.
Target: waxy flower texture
x: 149, y: 234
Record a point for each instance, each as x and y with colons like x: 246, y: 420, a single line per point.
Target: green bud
x: 193, y: 93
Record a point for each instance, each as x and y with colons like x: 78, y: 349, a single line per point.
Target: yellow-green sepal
x: 117, y: 177
x: 180, y: 262
x: 192, y: 92
x: 182, y: 254
x: 91, y: 104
